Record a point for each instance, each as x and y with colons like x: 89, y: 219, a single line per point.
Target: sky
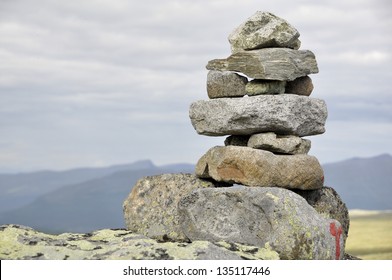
x: 103, y: 82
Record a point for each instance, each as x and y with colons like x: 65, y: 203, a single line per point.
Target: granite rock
x: 151, y: 207
x: 284, y: 114
x: 264, y: 217
x: 263, y: 30
x: 281, y: 64
x: 328, y: 203
x: 301, y: 86
x: 259, y: 168
x: 257, y: 87
x: 225, y: 84
x: 24, y: 243
x: 286, y: 144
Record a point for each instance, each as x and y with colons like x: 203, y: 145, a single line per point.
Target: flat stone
x: 23, y: 243
x: 151, y: 207
x: 284, y: 114
x: 263, y: 217
x: 264, y: 30
x: 257, y: 87
x: 300, y: 86
x: 329, y: 204
x: 259, y: 168
x: 282, y: 144
x: 225, y: 84
x: 280, y: 64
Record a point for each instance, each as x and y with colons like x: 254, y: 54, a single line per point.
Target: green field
x: 370, y: 235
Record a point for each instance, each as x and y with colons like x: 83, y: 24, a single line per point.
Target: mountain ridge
x: 364, y: 183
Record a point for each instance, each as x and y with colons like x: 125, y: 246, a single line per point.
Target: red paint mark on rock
x: 337, y: 232
x: 322, y: 179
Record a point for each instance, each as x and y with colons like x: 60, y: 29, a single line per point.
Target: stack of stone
x: 280, y: 203
x: 266, y: 116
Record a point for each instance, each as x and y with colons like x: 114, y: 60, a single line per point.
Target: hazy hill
x: 85, y: 206
x: 89, y: 204
x: 17, y: 190
x: 363, y: 183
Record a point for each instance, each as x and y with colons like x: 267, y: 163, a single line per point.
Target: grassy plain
x: 370, y: 235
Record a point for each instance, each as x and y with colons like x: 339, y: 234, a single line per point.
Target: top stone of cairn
x: 264, y: 30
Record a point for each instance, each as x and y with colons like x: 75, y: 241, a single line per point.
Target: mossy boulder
x: 274, y: 218
x: 24, y: 243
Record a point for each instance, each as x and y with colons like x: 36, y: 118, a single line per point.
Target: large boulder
x: 328, y: 203
x: 23, y: 243
x: 263, y: 30
x: 151, y: 207
x: 264, y: 217
x: 271, y: 63
x: 259, y: 168
x: 284, y: 114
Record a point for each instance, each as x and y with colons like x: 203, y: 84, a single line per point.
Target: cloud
x: 111, y: 81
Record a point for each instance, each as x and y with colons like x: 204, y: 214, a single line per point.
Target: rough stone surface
x: 151, y: 207
x: 263, y: 30
x: 258, y: 168
x: 284, y: 114
x: 269, y: 64
x: 328, y: 203
x: 286, y: 144
x: 264, y: 217
x: 225, y: 84
x: 237, y: 140
x: 257, y: 87
x: 23, y: 243
x: 300, y: 86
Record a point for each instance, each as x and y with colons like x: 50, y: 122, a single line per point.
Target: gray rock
x: 300, y: 86
x: 258, y: 168
x: 225, y: 84
x: 284, y: 114
x: 237, y: 140
x: 269, y: 64
x: 264, y: 217
x: 328, y: 203
x: 257, y: 87
x: 282, y: 144
x: 151, y: 207
x: 23, y: 243
x: 263, y: 30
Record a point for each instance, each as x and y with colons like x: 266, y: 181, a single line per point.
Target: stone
x: 280, y: 64
x: 151, y: 207
x: 225, y: 84
x: 280, y: 144
x: 237, y: 140
x: 301, y: 86
x: 272, y: 218
x: 264, y: 30
x: 257, y: 87
x: 284, y: 114
x: 259, y: 168
x: 328, y: 203
x: 23, y: 243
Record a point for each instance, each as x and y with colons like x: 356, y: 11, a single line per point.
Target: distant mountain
x: 363, y: 183
x: 85, y: 206
x: 93, y: 200
x: 17, y: 190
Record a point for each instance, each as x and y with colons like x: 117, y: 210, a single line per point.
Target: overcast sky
x: 102, y: 82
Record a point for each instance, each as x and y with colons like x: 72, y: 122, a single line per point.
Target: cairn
x: 259, y: 98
